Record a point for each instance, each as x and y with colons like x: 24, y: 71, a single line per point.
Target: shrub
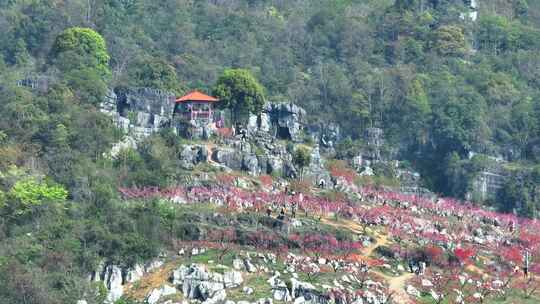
x: 30, y: 193
x: 299, y: 186
x: 225, y: 179
x: 302, y: 158
x: 339, y: 169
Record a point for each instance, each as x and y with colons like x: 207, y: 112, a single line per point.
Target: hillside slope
x: 385, y: 247
x: 443, y: 79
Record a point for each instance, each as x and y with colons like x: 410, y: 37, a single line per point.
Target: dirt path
x: 475, y: 269
x: 149, y: 281
x: 347, y: 224
x: 210, y: 147
x: 395, y: 284
x: 380, y: 240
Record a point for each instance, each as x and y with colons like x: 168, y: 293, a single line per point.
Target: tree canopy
x: 239, y: 91
x: 78, y: 47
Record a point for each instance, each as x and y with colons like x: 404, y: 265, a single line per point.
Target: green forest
x: 439, y: 83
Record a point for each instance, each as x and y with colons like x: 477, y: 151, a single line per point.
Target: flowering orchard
x: 457, y: 250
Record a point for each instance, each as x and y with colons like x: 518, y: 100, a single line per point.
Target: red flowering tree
x: 360, y: 274
x: 530, y: 240
x: 339, y: 169
x: 310, y: 269
x: 464, y: 255
x: 266, y: 180
x: 531, y: 284
x: 347, y: 248
x: 316, y: 244
x: 400, y: 237
x: 222, y: 240
x: 305, y: 265
x: 481, y: 290
x: 442, y: 286
x: 512, y: 255
x: 434, y: 254
x: 338, y: 295
x: 262, y: 240
x: 319, y: 244
x: 503, y: 279
x: 225, y: 179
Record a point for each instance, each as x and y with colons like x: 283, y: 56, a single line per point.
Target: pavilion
x: 197, y: 107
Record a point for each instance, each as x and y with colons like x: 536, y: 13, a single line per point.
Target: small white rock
x: 411, y: 290
x: 299, y: 300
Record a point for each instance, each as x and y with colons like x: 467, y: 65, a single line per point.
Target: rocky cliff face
x: 241, y: 155
x: 327, y: 135
x: 487, y: 183
x: 39, y: 83
x: 264, y: 149
x: 260, y: 151
x: 139, y: 111
x: 280, y: 120
x: 262, y: 154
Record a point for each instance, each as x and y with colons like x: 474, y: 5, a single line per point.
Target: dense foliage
x: 239, y: 91
x: 436, y: 81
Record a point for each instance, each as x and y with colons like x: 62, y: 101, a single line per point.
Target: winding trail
x: 395, y: 284
x: 149, y: 281
x: 380, y: 240
x: 210, y: 148
x: 347, y: 224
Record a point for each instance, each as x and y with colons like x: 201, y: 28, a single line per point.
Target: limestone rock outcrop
x: 139, y: 111
x: 113, y: 281
x: 281, y: 120
x: 198, y: 283
x: 115, y: 277
x: 156, y: 294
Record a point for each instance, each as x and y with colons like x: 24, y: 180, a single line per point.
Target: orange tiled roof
x: 197, y: 96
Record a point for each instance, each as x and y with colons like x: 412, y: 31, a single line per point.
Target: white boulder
x: 411, y: 290
x: 113, y: 282
x: 232, y: 279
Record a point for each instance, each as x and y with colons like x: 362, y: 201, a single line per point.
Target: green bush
x: 29, y: 193
x: 78, y: 47
x: 302, y: 157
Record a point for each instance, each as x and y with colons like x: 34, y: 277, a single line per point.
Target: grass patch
x: 257, y: 281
